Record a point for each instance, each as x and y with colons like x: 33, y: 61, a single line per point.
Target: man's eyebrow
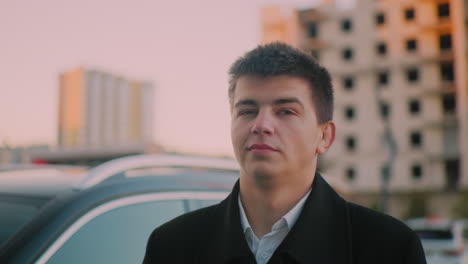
x: 250, y: 102
x: 288, y: 101
x: 247, y: 102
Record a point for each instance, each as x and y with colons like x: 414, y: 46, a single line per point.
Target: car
x: 444, y: 240
x: 104, y: 214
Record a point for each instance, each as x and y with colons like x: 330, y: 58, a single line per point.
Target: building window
x: 416, y: 171
x: 351, y: 173
x: 411, y: 45
x: 416, y: 140
x: 346, y: 25
x: 443, y: 10
x: 350, y: 113
x: 351, y: 143
x: 409, y: 14
x: 449, y: 103
x: 380, y: 18
x: 384, y: 110
x: 348, y: 83
x: 381, y: 48
x: 452, y: 174
x: 347, y: 54
x: 312, y: 29
x: 446, y: 72
x: 414, y: 106
x: 445, y: 42
x: 412, y: 75
x: 383, y: 78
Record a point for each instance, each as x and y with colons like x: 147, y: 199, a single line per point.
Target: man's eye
x: 246, y: 112
x: 286, y: 112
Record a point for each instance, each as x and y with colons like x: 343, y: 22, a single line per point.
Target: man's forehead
x: 276, y: 89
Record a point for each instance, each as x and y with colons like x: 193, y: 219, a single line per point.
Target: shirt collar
x: 244, y: 221
x: 290, y: 217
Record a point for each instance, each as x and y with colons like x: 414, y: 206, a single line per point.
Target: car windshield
x: 15, y: 212
x: 435, y: 234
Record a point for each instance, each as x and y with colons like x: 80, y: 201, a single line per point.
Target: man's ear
x: 328, y: 137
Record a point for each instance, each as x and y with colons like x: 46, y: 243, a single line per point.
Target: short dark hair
x: 276, y: 59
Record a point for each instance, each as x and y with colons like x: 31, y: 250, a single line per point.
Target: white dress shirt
x: 264, y: 247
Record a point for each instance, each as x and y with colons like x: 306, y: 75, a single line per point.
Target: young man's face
x: 274, y: 127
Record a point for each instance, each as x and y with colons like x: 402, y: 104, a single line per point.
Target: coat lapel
x: 321, y: 233
x: 230, y: 245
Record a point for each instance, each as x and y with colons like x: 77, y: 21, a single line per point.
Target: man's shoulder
x: 187, y: 225
x: 185, y: 232
x: 370, y: 226
x: 375, y: 234
x: 368, y: 219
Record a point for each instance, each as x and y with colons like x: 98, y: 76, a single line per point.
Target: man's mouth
x: 261, y: 147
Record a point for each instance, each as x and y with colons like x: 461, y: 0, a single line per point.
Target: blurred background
x: 86, y: 82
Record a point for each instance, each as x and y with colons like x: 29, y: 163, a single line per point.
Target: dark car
x: 106, y: 214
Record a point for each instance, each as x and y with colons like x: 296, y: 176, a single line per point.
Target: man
x: 281, y: 210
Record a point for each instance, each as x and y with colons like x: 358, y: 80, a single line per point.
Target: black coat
x: 328, y: 230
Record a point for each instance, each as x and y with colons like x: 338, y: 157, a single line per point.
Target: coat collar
x: 228, y: 243
x: 320, y: 235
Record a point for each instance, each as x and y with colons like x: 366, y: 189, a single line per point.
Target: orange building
x: 280, y: 23
x: 99, y: 109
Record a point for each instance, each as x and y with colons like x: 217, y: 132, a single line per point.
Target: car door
x: 117, y: 231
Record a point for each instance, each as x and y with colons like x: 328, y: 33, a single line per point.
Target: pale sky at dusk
x: 183, y: 47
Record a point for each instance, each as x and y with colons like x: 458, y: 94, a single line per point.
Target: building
x: 399, y: 72
x: 280, y: 24
x: 98, y: 109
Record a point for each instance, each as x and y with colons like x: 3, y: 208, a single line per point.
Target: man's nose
x: 264, y: 123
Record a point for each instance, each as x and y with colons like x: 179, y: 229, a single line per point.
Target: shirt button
x: 264, y: 255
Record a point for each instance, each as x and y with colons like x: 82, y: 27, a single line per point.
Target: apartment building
x: 399, y: 71
x: 99, y: 109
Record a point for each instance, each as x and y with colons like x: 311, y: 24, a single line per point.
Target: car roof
x: 120, y: 165
x: 52, y: 180
x: 37, y: 182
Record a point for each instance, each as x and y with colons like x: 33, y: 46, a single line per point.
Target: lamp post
x: 389, y: 141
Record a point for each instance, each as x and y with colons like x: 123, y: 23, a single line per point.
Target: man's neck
x: 264, y: 206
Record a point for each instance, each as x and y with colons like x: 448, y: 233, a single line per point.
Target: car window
x: 16, y: 212
x: 117, y: 236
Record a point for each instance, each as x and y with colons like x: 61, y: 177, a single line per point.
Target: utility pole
x: 389, y: 140
x: 391, y: 144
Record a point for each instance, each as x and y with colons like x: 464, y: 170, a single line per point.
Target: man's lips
x: 261, y: 147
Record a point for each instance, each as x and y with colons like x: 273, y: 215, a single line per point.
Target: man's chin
x: 263, y: 170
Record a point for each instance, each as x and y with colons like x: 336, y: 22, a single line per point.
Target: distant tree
x: 417, y: 205
x: 460, y: 209
x: 376, y: 206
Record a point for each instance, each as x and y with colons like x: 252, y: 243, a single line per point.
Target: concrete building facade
x: 99, y: 109
x: 399, y: 72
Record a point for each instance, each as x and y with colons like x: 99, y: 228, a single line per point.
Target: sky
x: 183, y: 47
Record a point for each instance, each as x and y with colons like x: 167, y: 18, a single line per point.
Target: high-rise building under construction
x: 399, y: 69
